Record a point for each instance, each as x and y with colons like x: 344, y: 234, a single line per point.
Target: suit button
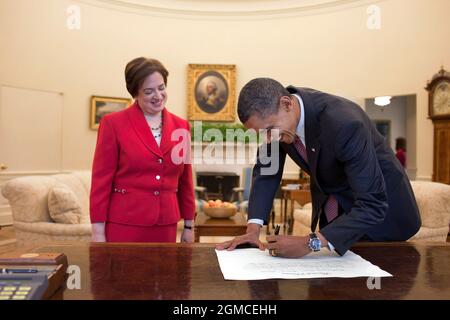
x: 160, y: 160
x: 158, y: 177
x: 156, y: 193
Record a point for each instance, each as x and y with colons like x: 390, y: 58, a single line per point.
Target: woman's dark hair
x: 400, y: 143
x: 137, y: 70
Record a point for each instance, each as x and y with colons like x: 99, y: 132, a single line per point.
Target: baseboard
x: 423, y: 178
x: 6, y: 218
x: 6, y: 242
x: 412, y: 173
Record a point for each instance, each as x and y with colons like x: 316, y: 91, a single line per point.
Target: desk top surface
x: 191, y: 271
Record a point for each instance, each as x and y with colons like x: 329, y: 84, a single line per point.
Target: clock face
x: 441, y: 98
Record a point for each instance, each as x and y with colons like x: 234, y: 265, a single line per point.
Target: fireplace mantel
x: 230, y: 157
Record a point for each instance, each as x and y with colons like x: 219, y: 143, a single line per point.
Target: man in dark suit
x: 359, y: 190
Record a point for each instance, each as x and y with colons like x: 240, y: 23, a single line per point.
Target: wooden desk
x: 301, y: 196
x: 206, y: 226
x: 186, y: 271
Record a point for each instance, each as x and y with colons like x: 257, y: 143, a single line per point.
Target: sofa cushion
x: 63, y: 205
x: 433, y: 200
x: 28, y: 197
x: 77, y: 183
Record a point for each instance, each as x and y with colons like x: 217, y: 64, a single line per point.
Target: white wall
x: 331, y: 50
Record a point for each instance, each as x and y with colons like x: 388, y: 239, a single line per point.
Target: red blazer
x: 134, y: 181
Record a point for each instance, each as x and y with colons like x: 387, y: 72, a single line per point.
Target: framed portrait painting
x: 211, y: 92
x: 101, y: 106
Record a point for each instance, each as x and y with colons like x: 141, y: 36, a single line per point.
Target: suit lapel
x: 142, y: 129
x: 312, y: 139
x: 167, y: 128
x: 312, y: 132
x: 312, y: 150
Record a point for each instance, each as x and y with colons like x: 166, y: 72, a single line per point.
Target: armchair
x: 201, y: 195
x: 241, y: 194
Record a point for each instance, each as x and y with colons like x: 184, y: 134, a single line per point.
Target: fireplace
x: 219, y: 185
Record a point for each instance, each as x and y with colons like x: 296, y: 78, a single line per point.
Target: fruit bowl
x: 219, y: 210
x: 219, y: 213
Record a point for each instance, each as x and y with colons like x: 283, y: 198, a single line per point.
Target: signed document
x: 254, y: 264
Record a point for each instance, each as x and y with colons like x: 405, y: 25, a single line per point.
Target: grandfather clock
x: 439, y: 112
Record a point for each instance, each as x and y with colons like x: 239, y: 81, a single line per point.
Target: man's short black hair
x: 260, y: 96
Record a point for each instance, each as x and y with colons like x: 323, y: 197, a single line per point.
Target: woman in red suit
x: 140, y: 188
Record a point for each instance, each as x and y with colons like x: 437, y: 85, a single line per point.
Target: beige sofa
x: 433, y: 200
x: 50, y: 208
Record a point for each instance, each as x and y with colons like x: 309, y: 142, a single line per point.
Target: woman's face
x: 152, y: 95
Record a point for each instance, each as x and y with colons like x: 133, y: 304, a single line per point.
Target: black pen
x: 277, y: 229
x: 6, y: 270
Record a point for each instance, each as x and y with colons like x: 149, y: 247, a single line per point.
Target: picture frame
x: 384, y: 128
x: 101, y: 106
x: 211, y: 92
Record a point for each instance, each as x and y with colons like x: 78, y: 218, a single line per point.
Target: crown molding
x: 228, y: 9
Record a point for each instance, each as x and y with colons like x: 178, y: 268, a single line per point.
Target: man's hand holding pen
x: 278, y: 245
x: 291, y: 246
x: 288, y: 246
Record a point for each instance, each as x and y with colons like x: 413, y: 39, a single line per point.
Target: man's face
x: 210, y: 88
x: 285, y: 121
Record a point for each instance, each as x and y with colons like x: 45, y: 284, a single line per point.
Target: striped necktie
x: 331, y: 207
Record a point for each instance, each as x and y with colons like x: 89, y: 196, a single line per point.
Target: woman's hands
x: 98, y: 232
x: 188, y: 235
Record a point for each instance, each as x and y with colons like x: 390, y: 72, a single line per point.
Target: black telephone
x: 32, y: 276
x: 22, y: 286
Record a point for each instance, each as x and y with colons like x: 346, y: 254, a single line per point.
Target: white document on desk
x: 254, y: 264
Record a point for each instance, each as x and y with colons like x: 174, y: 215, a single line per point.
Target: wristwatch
x: 314, y: 242
x: 188, y: 227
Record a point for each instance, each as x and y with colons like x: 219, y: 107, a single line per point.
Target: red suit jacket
x: 134, y: 181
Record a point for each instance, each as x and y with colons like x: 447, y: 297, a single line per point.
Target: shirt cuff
x: 256, y: 221
x: 330, y: 246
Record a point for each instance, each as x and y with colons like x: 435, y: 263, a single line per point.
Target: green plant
x: 221, y: 132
